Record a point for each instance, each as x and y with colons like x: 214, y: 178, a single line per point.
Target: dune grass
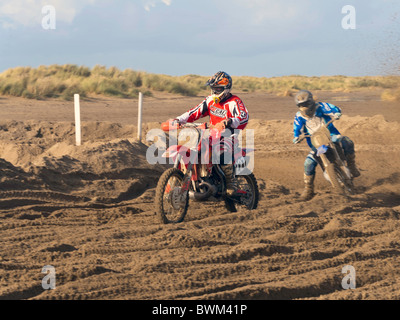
x: 336, y: 83
x: 391, y: 95
x: 63, y: 81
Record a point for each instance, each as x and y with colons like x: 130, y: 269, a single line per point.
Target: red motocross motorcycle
x: 194, y: 177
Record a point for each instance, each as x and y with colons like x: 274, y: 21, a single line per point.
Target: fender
x: 243, y: 153
x: 322, y: 150
x: 173, y: 151
x: 247, y: 150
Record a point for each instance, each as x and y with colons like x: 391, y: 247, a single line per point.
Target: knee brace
x: 347, y: 145
x: 309, y: 165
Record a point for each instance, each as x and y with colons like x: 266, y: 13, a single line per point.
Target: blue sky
x: 261, y: 38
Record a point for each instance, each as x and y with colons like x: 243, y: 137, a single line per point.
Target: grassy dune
x: 63, y: 81
x: 391, y: 95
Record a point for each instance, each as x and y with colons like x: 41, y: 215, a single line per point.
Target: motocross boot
x: 351, y: 164
x: 231, y: 181
x: 308, y: 192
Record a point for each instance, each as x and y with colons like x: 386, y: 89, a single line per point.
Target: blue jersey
x: 310, y: 125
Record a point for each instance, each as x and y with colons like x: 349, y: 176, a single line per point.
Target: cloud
x: 28, y: 13
x: 148, y: 5
x: 262, y: 11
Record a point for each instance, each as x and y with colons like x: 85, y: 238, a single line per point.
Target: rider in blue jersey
x: 308, y: 119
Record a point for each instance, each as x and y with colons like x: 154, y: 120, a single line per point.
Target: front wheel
x: 171, y: 204
x: 338, y: 180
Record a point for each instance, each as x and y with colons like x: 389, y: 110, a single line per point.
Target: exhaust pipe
x: 211, y: 190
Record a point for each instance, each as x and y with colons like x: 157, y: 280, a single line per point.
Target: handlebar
x: 166, y: 126
x: 309, y: 135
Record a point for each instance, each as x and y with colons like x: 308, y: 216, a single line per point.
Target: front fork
x: 336, y: 157
x: 324, y: 160
x: 338, y: 161
x: 188, y: 174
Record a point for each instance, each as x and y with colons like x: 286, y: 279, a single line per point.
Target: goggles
x: 306, y: 104
x: 217, y: 90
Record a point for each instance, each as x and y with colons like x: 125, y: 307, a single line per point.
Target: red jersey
x: 231, y: 108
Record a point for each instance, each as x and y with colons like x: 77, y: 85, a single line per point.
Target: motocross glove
x: 337, y: 115
x: 228, y: 123
x: 220, y: 126
x: 174, y: 122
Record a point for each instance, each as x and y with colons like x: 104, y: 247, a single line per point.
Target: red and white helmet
x: 221, y: 85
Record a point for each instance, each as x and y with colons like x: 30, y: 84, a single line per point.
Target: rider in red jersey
x: 226, y: 112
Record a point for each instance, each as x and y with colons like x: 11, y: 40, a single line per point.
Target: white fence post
x: 77, y: 120
x: 140, y: 109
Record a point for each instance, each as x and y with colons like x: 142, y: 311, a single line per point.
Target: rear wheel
x: 248, y: 184
x: 171, y: 204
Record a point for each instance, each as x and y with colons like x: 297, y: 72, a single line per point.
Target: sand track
x: 89, y: 212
